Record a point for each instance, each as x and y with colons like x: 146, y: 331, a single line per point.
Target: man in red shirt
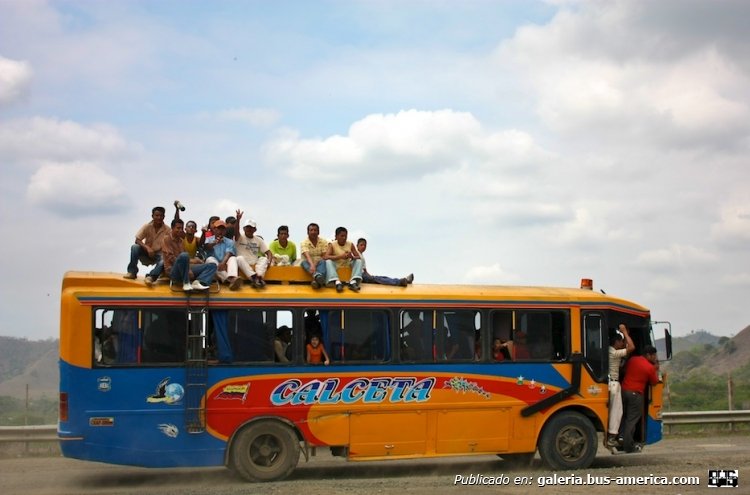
x: 640, y: 371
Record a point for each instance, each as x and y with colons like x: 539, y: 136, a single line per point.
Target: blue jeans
x: 137, y: 253
x: 320, y: 267
x: 181, y: 270
x: 380, y: 279
x: 332, y: 274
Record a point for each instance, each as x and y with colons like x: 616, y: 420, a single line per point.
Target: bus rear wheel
x: 568, y: 441
x: 265, y: 451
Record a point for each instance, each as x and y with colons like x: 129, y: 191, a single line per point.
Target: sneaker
x: 410, y: 278
x: 187, y: 287
x: 259, y: 283
x: 130, y: 276
x: 235, y: 284
x: 611, y: 441
x: 149, y: 281
x: 403, y: 282
x: 354, y: 286
x: 318, y: 281
x: 197, y: 285
x: 339, y: 287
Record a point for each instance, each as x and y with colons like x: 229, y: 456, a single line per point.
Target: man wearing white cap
x: 253, y: 255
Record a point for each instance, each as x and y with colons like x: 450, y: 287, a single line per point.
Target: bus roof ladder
x: 196, y: 366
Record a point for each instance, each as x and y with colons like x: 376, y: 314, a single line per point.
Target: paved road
x: 326, y: 475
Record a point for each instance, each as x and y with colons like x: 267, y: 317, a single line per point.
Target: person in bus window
x: 640, y: 371
x: 500, y: 350
x: 379, y: 279
x: 620, y: 346
x: 282, y: 343
x: 316, y: 353
x: 342, y: 253
x: 520, y: 348
x: 147, y: 247
x: 313, y: 248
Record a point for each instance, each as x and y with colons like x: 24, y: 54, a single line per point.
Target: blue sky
x: 488, y: 142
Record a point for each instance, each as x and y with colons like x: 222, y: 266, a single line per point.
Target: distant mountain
x: 33, y: 363
x: 703, y: 353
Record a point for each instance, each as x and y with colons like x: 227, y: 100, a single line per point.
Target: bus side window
x: 456, y: 338
x: 415, y: 333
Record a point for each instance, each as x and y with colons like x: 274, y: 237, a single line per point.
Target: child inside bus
x: 501, y: 350
x: 316, y: 353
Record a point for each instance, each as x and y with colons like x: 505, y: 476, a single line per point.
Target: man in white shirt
x: 620, y: 346
x: 253, y: 255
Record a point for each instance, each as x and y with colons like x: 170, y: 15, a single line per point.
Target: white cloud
x: 733, y: 226
x: 30, y: 141
x: 15, y: 78
x: 403, y: 146
x: 77, y: 189
x: 673, y: 258
x: 741, y: 280
x: 601, y: 69
x: 256, y: 117
x: 489, y: 274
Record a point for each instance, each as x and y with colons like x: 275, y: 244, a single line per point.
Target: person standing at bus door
x: 179, y: 266
x: 640, y: 371
x: 283, y: 250
x: 342, y: 253
x: 253, y: 256
x: 620, y: 346
x: 223, y: 255
x: 313, y: 248
x: 282, y: 343
x: 316, y: 353
x: 147, y: 247
x: 379, y: 279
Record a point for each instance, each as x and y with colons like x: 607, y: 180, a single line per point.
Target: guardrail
x: 36, y: 433
x: 705, y: 417
x: 48, y: 433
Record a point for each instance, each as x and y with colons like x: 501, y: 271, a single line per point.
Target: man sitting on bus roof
x: 178, y: 264
x: 147, y: 247
x: 313, y: 248
x: 253, y: 255
x: 379, y: 279
x: 222, y: 254
x: 341, y: 253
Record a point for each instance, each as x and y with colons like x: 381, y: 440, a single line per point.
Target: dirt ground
x: 681, y: 456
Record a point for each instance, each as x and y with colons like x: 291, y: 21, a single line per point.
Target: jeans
x: 633, y: 405
x: 333, y: 276
x: 320, y: 267
x: 380, y: 279
x: 181, y: 270
x: 137, y: 253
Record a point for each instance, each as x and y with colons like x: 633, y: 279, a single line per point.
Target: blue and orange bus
x: 412, y: 373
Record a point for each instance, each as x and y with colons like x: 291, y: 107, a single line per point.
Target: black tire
x: 265, y: 451
x: 568, y: 441
x: 517, y: 461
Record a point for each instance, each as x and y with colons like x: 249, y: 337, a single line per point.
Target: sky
x: 474, y: 142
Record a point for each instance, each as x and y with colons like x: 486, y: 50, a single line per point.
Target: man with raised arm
x: 179, y: 266
x: 620, y: 346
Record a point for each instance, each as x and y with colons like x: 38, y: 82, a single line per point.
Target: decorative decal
x: 594, y: 390
x: 169, y: 430
x: 169, y: 393
x: 543, y: 389
x: 104, y: 384
x: 367, y: 390
x: 532, y: 384
x: 234, y: 392
x: 460, y: 384
x: 519, y: 380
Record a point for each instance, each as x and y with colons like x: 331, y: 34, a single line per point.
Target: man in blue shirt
x: 223, y: 253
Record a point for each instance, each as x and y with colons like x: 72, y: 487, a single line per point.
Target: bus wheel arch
x: 568, y: 441
x: 264, y: 450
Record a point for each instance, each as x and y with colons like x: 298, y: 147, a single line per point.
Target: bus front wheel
x: 265, y: 451
x: 568, y: 441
